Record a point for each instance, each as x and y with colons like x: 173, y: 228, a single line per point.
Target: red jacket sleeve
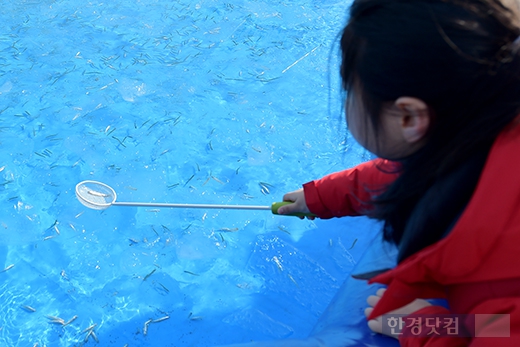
x: 349, y: 192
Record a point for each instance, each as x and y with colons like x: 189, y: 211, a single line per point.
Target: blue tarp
x: 343, y: 323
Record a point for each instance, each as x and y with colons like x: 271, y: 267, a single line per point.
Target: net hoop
x: 95, y: 195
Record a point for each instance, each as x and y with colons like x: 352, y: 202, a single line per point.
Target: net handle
x: 229, y: 207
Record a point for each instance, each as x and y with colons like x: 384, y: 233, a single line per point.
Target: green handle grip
x: 276, y: 205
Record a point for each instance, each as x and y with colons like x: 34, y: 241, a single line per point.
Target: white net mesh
x: 95, y: 195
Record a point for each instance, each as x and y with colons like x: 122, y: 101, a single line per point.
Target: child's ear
x: 415, y: 118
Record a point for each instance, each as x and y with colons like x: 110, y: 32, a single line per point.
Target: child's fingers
x: 372, y: 300
x: 298, y: 203
x: 368, y: 311
x: 288, y: 197
x: 290, y: 208
x: 293, y: 196
x: 376, y: 325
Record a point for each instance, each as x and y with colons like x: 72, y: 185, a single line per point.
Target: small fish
x: 151, y: 126
x: 151, y: 273
x: 55, y: 320
x: 352, y: 245
x: 278, y: 263
x: 8, y: 268
x: 284, y: 230
x: 145, y: 328
x: 230, y: 230
x: 93, y: 192
x: 28, y: 308
x: 189, y: 179
x: 64, y: 275
x: 162, y: 285
x: 191, y: 273
x: 160, y: 319
x: 49, y: 237
x: 89, y: 328
x: 292, y: 279
x: 70, y: 320
x: 265, y: 188
x: 79, y: 214
x: 94, y: 336
x: 88, y: 335
x: 196, y: 318
x: 60, y: 322
x: 216, y: 179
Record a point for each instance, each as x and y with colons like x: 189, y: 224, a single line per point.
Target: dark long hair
x: 460, y: 57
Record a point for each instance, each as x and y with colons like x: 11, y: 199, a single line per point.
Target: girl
x: 433, y: 90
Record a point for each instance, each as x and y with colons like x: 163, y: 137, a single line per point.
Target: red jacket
x: 475, y: 267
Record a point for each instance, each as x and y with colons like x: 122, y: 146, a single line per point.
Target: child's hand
x: 298, y: 204
x: 376, y: 325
